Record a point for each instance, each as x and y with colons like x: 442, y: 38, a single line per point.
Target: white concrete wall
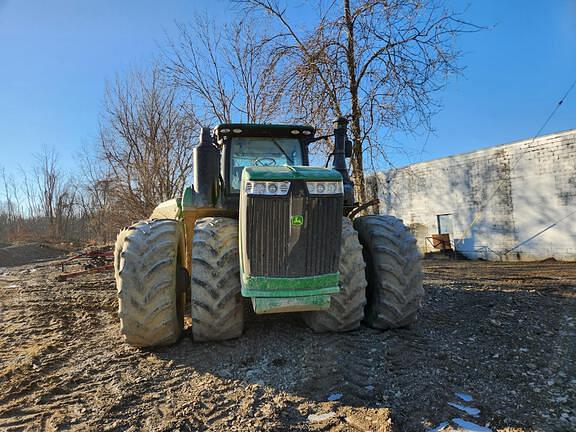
x: 498, y: 197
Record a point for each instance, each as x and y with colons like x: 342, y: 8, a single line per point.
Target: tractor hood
x: 289, y: 239
x: 272, y: 173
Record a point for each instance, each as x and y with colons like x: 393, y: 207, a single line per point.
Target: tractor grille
x: 267, y: 237
x: 274, y: 247
x: 323, y: 235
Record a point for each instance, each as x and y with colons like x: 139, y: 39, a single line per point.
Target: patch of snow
x: 464, y: 396
x: 468, y: 410
x: 439, y: 428
x: 469, y: 426
x: 335, y: 396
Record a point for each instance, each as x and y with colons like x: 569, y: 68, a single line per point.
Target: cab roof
x: 263, y: 130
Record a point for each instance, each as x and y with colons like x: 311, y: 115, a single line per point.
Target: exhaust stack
x: 339, y: 158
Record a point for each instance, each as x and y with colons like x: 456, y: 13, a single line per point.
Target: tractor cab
x: 246, y: 145
x: 224, y: 153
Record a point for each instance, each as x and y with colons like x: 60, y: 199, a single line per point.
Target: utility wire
x: 539, y: 232
x: 479, y: 212
x: 555, y: 109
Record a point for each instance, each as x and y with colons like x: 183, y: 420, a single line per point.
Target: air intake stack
x: 206, y: 158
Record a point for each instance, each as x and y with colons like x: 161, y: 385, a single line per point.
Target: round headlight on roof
x: 306, y: 132
x: 295, y: 132
x: 237, y: 130
x: 225, y: 130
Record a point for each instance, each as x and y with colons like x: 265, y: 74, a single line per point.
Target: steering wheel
x: 265, y: 161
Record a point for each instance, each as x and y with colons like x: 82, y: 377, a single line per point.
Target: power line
x: 479, y: 212
x: 539, y: 232
x: 555, y: 109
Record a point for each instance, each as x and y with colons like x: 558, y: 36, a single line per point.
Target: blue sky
x: 516, y: 71
x: 56, y: 56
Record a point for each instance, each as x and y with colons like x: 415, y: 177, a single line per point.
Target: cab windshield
x: 246, y: 151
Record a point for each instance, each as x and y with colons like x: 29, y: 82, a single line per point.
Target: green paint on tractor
x: 187, y: 200
x: 256, y: 173
x: 263, y: 286
x: 290, y: 304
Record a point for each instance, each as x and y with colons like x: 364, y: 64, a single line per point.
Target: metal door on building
x: 445, y: 224
x: 443, y: 240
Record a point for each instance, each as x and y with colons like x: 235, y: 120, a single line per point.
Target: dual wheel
x: 152, y: 281
x: 380, y: 280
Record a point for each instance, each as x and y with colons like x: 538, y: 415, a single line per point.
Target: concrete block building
x: 515, y: 201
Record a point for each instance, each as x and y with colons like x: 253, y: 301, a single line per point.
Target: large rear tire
x: 346, y: 309
x: 393, y: 270
x: 147, y: 259
x: 217, y: 305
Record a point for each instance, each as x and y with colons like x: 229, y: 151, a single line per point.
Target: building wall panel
x: 498, y: 197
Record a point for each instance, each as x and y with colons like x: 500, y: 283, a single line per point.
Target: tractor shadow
x: 278, y: 352
x: 467, y: 340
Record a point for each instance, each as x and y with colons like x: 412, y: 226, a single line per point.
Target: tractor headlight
x: 259, y: 188
x: 267, y: 188
x: 325, y: 188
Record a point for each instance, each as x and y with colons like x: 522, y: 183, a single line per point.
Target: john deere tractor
x: 259, y: 223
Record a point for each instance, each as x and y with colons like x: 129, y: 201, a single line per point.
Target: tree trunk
x: 357, y: 157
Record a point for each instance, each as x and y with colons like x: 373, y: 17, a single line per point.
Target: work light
x: 267, y: 188
x: 325, y: 188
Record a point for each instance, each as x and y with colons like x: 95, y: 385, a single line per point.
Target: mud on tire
x: 393, y: 271
x: 147, y: 258
x: 347, y: 307
x: 216, y: 301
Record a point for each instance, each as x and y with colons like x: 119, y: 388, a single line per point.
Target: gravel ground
x: 501, y: 334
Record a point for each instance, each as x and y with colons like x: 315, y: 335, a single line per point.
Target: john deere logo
x: 297, y: 220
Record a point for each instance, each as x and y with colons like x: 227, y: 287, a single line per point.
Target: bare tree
x: 229, y: 70
x: 9, y: 206
x: 101, y: 210
x: 10, y: 193
x: 47, y: 176
x: 145, y: 140
x: 56, y: 195
x: 379, y: 62
x: 42, y: 205
x: 30, y: 193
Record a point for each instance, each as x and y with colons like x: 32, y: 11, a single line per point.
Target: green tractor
x: 260, y: 223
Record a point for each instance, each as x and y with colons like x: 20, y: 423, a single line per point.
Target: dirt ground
x: 14, y: 255
x: 505, y: 334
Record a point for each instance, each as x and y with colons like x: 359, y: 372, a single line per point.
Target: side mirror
x: 348, y: 148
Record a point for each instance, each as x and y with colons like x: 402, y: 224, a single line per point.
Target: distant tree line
x: 380, y: 63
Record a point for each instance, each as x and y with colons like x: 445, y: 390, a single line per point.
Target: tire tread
x: 145, y: 259
x: 393, y: 271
